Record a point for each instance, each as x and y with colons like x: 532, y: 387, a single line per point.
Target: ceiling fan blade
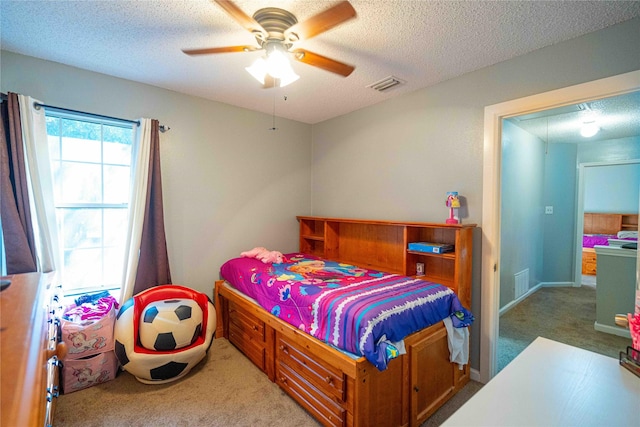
x: 225, y: 49
x: 323, y: 62
x: 242, y: 18
x: 321, y: 22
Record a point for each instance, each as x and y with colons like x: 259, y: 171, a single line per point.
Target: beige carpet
x: 565, y: 314
x: 225, y: 389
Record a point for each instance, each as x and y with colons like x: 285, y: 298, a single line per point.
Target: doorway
x: 540, y: 293
x: 619, y: 176
x: 491, y: 222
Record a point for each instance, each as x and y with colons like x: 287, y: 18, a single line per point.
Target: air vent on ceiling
x: 386, y: 83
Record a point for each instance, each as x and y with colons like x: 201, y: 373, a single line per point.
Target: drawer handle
x: 329, y: 380
x: 51, y: 396
x: 59, y: 351
x: 284, y: 349
x: 283, y: 380
x: 255, y: 327
x: 416, y: 389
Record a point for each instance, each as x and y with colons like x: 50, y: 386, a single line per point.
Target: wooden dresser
x: 29, y: 351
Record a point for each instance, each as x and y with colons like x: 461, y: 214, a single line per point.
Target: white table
x: 554, y: 384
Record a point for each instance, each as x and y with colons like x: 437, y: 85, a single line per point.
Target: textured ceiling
x: 420, y: 42
x: 616, y: 117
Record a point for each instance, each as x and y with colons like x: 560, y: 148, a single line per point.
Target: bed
x: 384, y: 379
x: 602, y: 228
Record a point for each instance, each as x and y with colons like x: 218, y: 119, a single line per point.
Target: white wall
x: 522, y: 210
x: 609, y: 151
x: 393, y: 160
x: 560, y: 189
x: 397, y: 159
x: 612, y: 188
x: 229, y: 183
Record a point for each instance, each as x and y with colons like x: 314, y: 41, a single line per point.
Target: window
x: 91, y: 162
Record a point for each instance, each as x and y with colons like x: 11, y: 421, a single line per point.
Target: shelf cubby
x: 383, y: 246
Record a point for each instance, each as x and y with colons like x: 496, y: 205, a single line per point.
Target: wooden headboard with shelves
x: 609, y: 223
x: 383, y: 245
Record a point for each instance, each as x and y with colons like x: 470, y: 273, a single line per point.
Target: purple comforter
x: 590, y: 240
x: 361, y: 311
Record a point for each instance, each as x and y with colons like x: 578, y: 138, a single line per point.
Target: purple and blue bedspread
x: 354, y: 309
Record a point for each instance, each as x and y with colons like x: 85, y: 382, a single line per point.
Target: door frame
x: 580, y: 211
x: 493, y: 115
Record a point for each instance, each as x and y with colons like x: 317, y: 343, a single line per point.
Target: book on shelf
x: 432, y: 248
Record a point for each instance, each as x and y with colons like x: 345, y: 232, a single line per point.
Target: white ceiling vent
x: 386, y: 84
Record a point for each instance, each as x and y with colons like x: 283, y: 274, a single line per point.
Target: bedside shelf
x: 313, y: 237
x: 451, y: 255
x: 382, y: 245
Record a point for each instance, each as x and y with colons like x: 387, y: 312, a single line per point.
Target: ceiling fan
x: 277, y: 31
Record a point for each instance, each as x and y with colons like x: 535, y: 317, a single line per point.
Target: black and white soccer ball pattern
x: 167, y: 330
x: 170, y: 324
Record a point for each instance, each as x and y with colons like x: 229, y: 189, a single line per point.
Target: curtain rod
x: 37, y: 106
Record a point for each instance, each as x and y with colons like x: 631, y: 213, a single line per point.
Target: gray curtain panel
x: 14, y: 197
x: 153, y: 264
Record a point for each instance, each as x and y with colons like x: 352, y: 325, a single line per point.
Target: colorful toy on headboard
x: 452, y: 203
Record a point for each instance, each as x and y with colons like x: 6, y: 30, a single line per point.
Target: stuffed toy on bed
x: 264, y: 255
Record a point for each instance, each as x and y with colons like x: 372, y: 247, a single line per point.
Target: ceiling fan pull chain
x: 273, y: 126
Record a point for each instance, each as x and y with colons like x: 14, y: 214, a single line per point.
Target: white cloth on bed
x: 627, y: 234
x: 458, y: 340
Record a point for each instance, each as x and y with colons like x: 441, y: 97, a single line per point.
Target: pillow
x: 627, y: 234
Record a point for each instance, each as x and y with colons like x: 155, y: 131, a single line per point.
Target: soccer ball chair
x: 164, y: 315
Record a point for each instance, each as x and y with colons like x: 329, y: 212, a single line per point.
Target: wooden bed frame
x: 604, y: 223
x: 336, y: 388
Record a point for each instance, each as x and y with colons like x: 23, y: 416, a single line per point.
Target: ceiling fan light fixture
x: 275, y: 64
x: 258, y: 69
x: 288, y: 78
x: 276, y: 31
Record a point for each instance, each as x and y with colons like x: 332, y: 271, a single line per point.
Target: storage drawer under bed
x: 247, y: 333
x: 314, y: 401
x: 320, y: 388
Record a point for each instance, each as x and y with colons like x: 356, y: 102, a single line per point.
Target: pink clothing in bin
x: 88, y: 329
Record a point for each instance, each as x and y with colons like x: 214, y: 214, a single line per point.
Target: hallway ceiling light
x: 589, y: 129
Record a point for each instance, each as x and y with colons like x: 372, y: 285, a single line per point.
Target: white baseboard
x: 513, y: 303
x: 557, y: 284
x: 474, y: 374
x: 621, y: 332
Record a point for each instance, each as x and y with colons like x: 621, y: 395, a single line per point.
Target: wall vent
x: 522, y: 283
x: 386, y: 83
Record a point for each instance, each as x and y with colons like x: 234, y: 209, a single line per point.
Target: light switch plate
x: 548, y: 210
